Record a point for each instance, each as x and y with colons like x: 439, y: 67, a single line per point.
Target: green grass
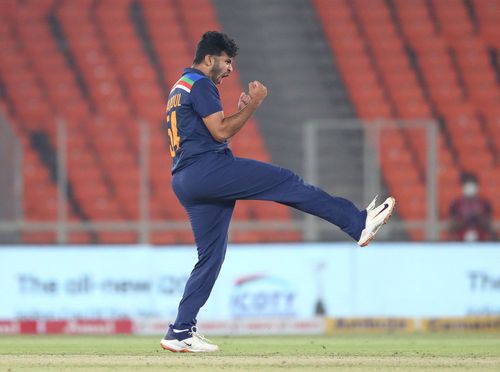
x: 386, y: 352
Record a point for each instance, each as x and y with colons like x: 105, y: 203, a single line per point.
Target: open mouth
x: 222, y: 77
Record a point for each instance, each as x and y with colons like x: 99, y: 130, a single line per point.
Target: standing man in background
x: 470, y: 214
x: 208, y: 179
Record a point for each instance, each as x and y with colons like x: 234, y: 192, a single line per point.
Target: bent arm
x: 222, y: 128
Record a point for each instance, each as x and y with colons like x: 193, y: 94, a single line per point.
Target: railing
x: 370, y: 177
x: 318, y: 157
x: 13, y: 225
x: 11, y: 178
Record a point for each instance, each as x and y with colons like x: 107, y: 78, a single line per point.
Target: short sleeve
x: 205, y: 98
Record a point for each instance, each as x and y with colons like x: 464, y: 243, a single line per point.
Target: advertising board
x: 298, y: 281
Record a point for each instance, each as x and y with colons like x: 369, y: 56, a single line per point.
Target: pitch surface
x: 413, y: 352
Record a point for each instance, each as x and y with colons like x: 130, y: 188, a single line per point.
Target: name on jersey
x: 175, y: 101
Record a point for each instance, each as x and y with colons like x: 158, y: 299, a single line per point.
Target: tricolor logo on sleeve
x: 185, y: 83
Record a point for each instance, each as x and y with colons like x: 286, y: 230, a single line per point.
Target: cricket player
x: 208, y: 179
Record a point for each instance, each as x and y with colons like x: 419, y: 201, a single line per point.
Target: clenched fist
x: 257, y: 91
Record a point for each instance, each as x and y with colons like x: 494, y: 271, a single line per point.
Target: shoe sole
x: 164, y: 347
x: 376, y: 231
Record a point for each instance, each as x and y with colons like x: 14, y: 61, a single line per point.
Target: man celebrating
x: 208, y: 179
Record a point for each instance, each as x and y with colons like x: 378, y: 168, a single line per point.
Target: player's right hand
x: 257, y: 91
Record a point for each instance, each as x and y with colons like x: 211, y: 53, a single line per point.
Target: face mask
x: 470, y: 189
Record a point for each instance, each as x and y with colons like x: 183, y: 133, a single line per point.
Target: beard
x: 217, y: 73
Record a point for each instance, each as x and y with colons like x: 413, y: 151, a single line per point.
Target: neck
x: 202, y: 68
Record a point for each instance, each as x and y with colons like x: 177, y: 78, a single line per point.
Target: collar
x: 193, y: 71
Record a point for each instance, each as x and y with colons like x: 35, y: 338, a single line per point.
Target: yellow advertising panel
x: 482, y: 324
x: 334, y: 325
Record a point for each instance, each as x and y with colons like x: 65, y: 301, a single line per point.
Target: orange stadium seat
x: 488, y: 14
x: 163, y: 238
x: 398, y: 59
x: 80, y: 238
x: 117, y: 237
x: 383, y: 84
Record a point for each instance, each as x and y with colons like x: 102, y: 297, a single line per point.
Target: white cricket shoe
x: 376, y: 217
x: 195, y: 344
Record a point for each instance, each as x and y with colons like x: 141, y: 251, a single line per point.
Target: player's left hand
x: 243, y: 101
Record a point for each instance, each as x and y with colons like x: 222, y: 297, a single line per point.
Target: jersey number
x: 173, y: 134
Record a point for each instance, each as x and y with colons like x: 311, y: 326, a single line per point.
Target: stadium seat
x: 453, y: 84
x: 86, y: 64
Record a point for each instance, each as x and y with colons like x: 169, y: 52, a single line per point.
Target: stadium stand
x: 103, y: 68
x: 417, y: 60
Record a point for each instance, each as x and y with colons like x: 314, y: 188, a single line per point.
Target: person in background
x: 470, y: 214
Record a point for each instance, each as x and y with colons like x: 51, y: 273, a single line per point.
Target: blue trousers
x: 208, y: 190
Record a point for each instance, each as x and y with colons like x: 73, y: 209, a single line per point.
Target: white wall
x: 407, y: 280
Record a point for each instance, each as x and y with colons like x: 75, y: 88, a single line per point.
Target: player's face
x: 223, y: 66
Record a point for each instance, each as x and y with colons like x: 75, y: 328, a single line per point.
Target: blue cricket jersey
x: 193, y: 97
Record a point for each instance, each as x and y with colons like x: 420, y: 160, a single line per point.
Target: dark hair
x: 215, y: 43
x: 468, y: 177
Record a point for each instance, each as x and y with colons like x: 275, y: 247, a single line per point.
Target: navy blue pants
x: 209, y: 188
